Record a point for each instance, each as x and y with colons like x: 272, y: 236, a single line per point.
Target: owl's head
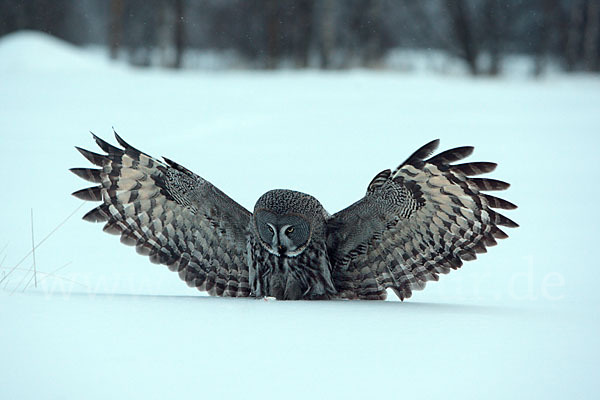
x: 286, y: 221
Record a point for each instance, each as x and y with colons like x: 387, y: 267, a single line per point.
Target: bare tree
x: 372, y: 33
x: 543, y: 38
x: 303, y: 21
x: 573, y: 45
x: 115, y: 29
x: 179, y: 36
x: 272, y: 21
x: 590, y: 42
x: 327, y: 31
x: 462, y: 26
x: 494, y: 22
x: 334, y: 33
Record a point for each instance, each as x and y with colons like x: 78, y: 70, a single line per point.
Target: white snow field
x: 520, y: 322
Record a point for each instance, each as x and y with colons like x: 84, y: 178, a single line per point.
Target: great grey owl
x: 414, y: 223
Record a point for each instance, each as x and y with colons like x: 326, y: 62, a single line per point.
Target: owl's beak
x: 282, y: 250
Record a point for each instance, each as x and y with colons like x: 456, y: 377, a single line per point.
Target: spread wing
x: 419, y: 221
x: 170, y: 214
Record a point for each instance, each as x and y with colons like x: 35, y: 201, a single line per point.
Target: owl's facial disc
x: 282, y: 235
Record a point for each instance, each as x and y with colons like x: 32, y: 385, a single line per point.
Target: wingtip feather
x: 94, y: 158
x: 451, y: 155
x: 93, y: 193
x: 426, y: 150
x: 89, y: 174
x: 104, y: 145
x: 120, y: 140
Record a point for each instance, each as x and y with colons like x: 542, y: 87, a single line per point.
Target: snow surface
x: 520, y: 322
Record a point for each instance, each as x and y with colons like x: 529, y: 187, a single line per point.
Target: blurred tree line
x: 328, y: 34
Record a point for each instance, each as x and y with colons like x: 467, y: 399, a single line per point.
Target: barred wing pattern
x: 419, y: 221
x: 170, y: 214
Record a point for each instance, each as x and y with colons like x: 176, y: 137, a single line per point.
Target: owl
x: 414, y: 223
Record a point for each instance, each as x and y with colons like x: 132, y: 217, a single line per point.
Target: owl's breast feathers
x: 306, y: 276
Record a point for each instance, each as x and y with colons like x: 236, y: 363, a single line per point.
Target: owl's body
x: 414, y: 223
x: 289, y: 267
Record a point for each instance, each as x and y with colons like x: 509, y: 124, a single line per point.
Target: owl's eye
x: 289, y: 230
x: 271, y: 229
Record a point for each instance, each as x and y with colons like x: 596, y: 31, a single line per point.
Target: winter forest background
x: 327, y: 34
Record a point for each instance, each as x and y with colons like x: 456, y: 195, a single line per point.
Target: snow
x: 31, y: 51
x: 522, y: 321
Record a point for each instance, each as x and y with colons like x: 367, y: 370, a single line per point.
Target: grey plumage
x: 422, y: 219
x: 289, y: 269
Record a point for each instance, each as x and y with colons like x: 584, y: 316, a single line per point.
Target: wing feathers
x: 421, y: 154
x: 452, y: 155
x: 498, y: 233
x: 433, y: 217
x: 379, y: 180
x: 90, y: 194
x: 496, y: 202
x: 473, y: 168
x: 126, y: 146
x: 500, y: 219
x: 107, y: 147
x: 89, y: 174
x: 169, y: 214
x: 425, y: 151
x: 178, y: 167
x: 94, y: 158
x: 98, y: 214
x: 489, y: 184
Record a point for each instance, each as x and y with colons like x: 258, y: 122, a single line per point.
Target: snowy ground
x: 520, y: 322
